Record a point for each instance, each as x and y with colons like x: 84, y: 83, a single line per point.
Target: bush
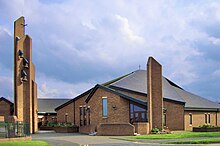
x: 155, y: 130
x: 64, y: 125
x: 206, y: 126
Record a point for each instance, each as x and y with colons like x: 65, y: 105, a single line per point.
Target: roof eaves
x: 115, y: 92
x: 115, y: 80
x: 72, y: 100
x: 6, y: 100
x: 174, y: 101
x: 65, y: 104
x: 201, y: 109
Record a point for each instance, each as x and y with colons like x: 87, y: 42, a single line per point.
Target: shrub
x: 155, y: 130
x: 206, y: 126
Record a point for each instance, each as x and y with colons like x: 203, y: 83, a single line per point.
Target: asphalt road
x: 76, y: 139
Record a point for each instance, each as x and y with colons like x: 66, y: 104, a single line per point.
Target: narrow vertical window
x: 89, y: 115
x: 66, y: 117
x: 205, y: 118
x: 164, y: 119
x: 80, y: 115
x: 209, y: 118
x: 84, y: 115
x: 190, y: 119
x: 104, y: 107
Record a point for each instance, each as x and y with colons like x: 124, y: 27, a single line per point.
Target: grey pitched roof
x: 195, y: 101
x: 137, y: 81
x: 115, y: 92
x: 48, y: 105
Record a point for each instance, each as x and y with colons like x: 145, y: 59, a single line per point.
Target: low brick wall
x: 87, y: 129
x: 66, y: 129
x: 116, y: 129
x: 203, y: 129
x: 46, y: 128
x: 142, y: 128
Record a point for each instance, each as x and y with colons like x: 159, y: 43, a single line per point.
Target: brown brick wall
x: 116, y: 129
x: 5, y: 109
x: 69, y: 109
x: 24, y: 92
x: 78, y: 103
x: 154, y: 88
x: 174, y: 111
x: 141, y: 128
x: 218, y: 119
x: 198, y: 118
x: 120, y: 115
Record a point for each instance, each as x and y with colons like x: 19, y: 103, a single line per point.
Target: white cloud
x: 93, y: 37
x: 127, y: 31
x: 55, y: 88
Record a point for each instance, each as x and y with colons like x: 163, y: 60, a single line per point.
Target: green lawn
x: 25, y: 143
x: 203, y: 141
x: 177, y: 135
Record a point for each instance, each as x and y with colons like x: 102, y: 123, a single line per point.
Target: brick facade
x: 154, y: 90
x: 198, y: 118
x: 5, y: 108
x: 66, y: 114
x: 174, y: 111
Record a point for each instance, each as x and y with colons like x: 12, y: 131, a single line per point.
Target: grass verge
x: 177, y: 135
x: 25, y: 143
x: 203, y: 141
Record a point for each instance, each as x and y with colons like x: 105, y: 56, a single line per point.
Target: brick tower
x: 154, y: 94
x: 25, y: 88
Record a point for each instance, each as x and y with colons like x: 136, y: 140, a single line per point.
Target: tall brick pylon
x: 25, y: 87
x: 154, y: 94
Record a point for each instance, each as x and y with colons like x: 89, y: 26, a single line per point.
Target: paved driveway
x: 76, y: 139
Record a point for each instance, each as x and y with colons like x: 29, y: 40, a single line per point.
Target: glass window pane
x: 138, y: 109
x: 104, y: 107
x: 131, y: 108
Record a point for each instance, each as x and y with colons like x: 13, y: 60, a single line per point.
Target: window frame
x: 80, y: 116
x: 104, y: 108
x: 209, y: 118
x: 190, y: 119
x: 135, y: 115
x: 206, y: 118
x: 84, y: 115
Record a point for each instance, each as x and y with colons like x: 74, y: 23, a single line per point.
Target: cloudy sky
x: 77, y: 44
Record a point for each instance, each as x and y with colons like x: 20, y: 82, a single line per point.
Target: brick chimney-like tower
x: 154, y: 94
x: 25, y: 88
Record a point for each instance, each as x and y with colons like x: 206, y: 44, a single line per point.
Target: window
x: 138, y: 113
x: 104, y: 107
x: 80, y: 115
x: 209, y: 118
x: 164, y: 119
x: 89, y: 115
x: 190, y: 119
x: 66, y: 117
x: 84, y: 115
x: 205, y: 118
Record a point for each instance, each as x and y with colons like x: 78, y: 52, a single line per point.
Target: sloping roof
x: 72, y: 100
x: 137, y: 81
x: 195, y: 101
x: 115, y: 92
x: 6, y: 100
x: 48, y: 105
